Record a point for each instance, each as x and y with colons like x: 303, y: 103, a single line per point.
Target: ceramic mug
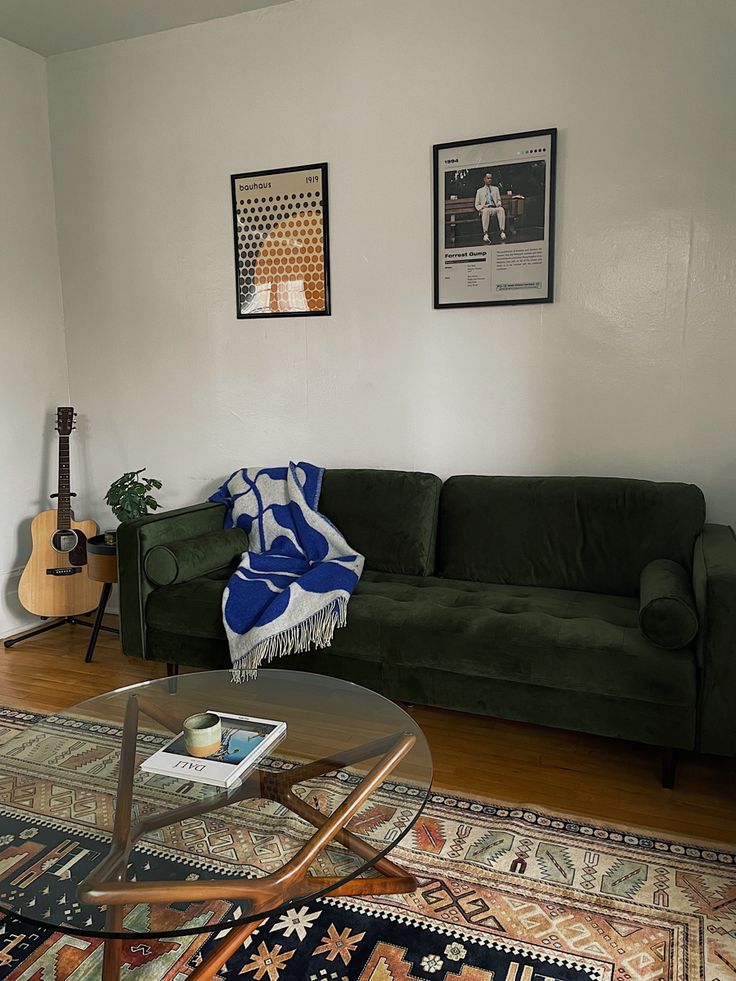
x: 202, y: 734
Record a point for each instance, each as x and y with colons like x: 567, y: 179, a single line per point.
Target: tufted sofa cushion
x: 550, y: 638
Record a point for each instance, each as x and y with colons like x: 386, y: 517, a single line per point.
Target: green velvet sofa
x: 518, y: 597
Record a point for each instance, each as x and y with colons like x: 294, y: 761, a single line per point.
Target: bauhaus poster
x: 280, y: 227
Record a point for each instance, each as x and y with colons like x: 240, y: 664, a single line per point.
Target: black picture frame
x: 536, y: 151
x: 281, y: 242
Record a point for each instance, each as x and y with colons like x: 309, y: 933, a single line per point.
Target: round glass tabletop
x: 92, y: 844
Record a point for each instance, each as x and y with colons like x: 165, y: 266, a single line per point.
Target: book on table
x: 245, y: 740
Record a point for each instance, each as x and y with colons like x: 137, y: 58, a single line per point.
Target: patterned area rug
x: 505, y: 895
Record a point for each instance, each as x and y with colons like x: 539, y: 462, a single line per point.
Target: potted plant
x: 128, y: 497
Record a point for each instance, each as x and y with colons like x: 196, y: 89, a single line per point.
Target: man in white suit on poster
x: 488, y: 203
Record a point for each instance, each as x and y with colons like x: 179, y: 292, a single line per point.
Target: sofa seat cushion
x: 548, y: 638
x: 194, y: 610
x: 191, y: 608
x: 584, y: 642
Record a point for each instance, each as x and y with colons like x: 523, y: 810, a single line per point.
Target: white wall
x: 33, y: 359
x: 629, y: 372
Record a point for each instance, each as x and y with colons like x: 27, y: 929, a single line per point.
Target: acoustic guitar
x: 55, y: 582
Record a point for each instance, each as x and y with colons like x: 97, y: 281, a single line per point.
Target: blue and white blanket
x: 293, y: 584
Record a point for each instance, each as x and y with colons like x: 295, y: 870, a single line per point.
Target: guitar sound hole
x: 64, y: 541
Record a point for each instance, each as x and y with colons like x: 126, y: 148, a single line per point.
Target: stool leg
x: 104, y: 596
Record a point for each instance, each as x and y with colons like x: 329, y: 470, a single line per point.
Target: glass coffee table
x: 94, y: 846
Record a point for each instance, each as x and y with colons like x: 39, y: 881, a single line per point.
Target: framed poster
x: 280, y: 226
x: 494, y: 212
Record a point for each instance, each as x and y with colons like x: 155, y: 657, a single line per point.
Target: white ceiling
x: 52, y: 26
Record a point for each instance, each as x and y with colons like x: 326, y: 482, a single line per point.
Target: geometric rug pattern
x: 505, y: 894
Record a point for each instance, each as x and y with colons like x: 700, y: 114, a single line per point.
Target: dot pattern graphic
x: 281, y: 261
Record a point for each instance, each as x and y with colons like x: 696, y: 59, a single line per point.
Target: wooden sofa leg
x: 172, y: 669
x: 669, y: 767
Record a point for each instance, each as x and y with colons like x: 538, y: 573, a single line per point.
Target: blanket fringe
x: 316, y: 631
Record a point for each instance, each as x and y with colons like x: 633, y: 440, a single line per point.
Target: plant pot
x: 102, y: 557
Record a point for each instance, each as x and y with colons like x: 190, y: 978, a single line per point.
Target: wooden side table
x: 102, y: 566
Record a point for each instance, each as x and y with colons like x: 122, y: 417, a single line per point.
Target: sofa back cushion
x: 390, y: 516
x: 587, y: 533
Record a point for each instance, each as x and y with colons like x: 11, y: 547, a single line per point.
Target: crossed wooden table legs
x: 106, y: 884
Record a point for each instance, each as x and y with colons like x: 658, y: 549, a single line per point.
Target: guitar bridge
x: 70, y: 571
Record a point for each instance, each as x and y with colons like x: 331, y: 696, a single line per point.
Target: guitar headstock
x: 65, y: 420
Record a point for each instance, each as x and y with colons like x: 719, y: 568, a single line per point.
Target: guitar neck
x: 63, y: 503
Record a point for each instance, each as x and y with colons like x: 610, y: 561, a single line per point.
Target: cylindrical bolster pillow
x: 667, y: 614
x: 191, y: 557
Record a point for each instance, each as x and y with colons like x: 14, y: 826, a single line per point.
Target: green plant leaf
x: 129, y: 497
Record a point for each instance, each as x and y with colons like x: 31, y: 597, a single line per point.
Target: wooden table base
x: 212, y: 963
x: 106, y: 884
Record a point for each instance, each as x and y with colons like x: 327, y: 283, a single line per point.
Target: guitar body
x: 55, y: 582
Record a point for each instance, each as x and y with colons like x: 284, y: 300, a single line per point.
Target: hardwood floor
x: 571, y: 773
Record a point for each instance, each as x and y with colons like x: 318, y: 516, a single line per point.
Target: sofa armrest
x: 135, y: 539
x: 714, y: 584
